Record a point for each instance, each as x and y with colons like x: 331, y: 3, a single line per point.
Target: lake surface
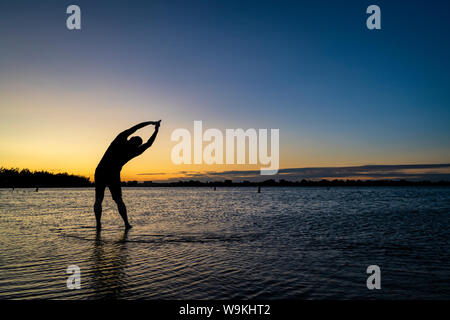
x: 233, y: 243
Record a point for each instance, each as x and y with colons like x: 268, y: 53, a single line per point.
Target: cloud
x: 432, y: 172
x: 152, y: 174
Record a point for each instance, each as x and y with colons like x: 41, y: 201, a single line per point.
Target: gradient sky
x: 341, y: 95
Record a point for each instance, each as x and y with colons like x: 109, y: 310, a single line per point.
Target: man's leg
x: 116, y: 193
x: 99, y: 195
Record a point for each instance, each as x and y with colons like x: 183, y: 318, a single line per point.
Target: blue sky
x: 340, y: 93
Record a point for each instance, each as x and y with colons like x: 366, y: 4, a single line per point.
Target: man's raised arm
x: 133, y: 129
x: 150, y: 141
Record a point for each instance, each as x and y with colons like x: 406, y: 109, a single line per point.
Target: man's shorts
x: 108, y: 177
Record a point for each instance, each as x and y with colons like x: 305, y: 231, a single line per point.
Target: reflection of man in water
x: 120, y: 151
x: 109, y: 259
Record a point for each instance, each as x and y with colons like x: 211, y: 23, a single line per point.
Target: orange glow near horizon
x: 44, y: 126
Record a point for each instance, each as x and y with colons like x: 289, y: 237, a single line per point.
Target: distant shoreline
x: 15, y: 178
x: 285, y: 183
x: 267, y: 183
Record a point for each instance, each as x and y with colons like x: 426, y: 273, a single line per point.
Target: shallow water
x: 233, y: 243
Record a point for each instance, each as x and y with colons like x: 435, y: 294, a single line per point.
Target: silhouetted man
x: 120, y: 151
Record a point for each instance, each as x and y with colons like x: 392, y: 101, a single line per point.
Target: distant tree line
x: 25, y: 178
x: 285, y: 183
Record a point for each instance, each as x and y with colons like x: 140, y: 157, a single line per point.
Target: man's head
x: 135, y: 141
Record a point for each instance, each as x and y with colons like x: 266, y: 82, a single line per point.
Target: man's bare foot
x: 128, y: 226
